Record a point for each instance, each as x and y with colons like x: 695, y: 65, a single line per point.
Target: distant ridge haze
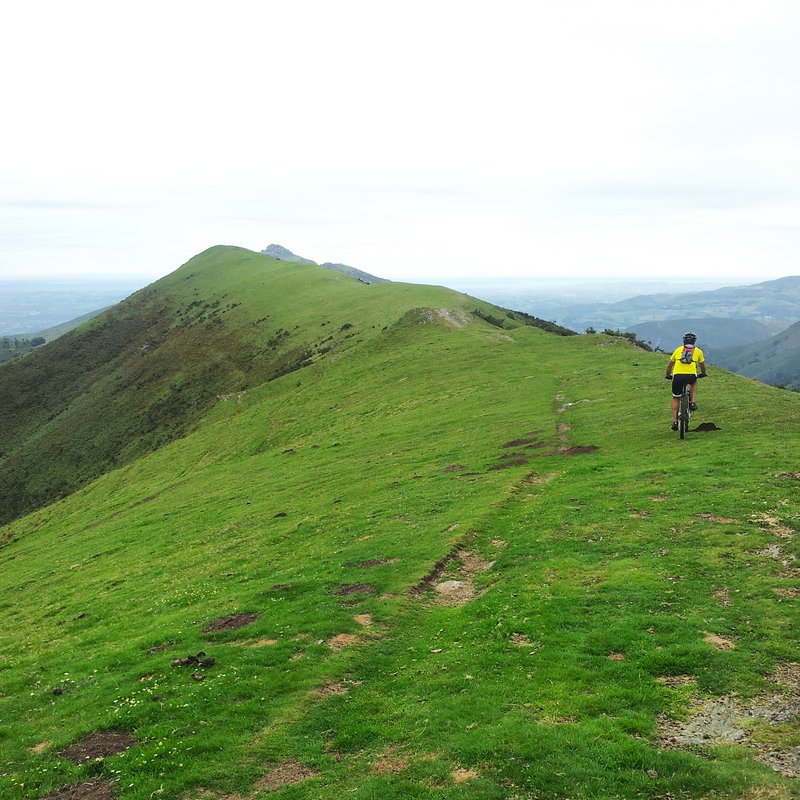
x: 284, y: 254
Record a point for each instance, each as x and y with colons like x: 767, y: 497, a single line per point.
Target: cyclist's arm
x: 702, y: 365
x: 670, y: 365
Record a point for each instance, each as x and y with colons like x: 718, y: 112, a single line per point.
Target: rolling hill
x: 447, y: 555
x: 775, y: 360
x: 713, y: 332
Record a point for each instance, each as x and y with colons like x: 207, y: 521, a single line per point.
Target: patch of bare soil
x: 389, y: 762
x: 460, y: 591
x: 199, y: 660
x: 659, y: 498
x: 370, y: 562
x: 792, y: 476
x: 677, y: 681
x: 520, y: 442
x: 616, y: 657
x: 342, y: 640
x: 723, y: 595
x: 773, y: 525
x: 231, y: 623
x: 521, y: 640
x: 498, y: 543
x: 160, y: 648
x: 89, y: 790
x: 99, y: 744
x: 286, y: 773
x: 719, y: 642
x: 364, y: 619
x: 40, y: 748
x: 454, y: 468
x: 461, y: 776
x: 345, y: 589
x: 259, y: 643
x: 715, y: 518
x: 330, y: 690
x: 775, y: 552
x: 578, y: 450
x: 705, y: 427
x: 788, y: 593
x: 731, y: 720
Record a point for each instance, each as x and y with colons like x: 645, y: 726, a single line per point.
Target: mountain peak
x: 284, y: 254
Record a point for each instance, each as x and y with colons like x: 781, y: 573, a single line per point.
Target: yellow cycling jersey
x: 679, y: 368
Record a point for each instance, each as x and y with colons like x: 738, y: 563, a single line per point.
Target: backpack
x: 688, y: 354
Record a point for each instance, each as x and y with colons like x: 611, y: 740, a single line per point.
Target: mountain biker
x: 682, y: 369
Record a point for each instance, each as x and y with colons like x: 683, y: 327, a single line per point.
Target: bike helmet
x: 689, y: 338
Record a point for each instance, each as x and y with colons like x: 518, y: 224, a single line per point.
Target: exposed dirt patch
x: 160, y: 648
x: 773, y: 525
x: 792, y: 476
x: 342, y: 640
x: 521, y: 640
x: 89, y: 790
x: 231, y: 623
x: 461, y: 776
x: 775, y: 552
x: 731, y: 720
x: 331, y: 690
x: 578, y: 450
x: 719, y: 642
x: 460, y: 591
x: 715, y: 518
x: 438, y: 570
x: 99, y: 744
x: 705, y: 427
x: 639, y: 514
x: 616, y: 657
x: 364, y: 619
x: 787, y: 593
x: 198, y: 660
x: 659, y: 498
x: 677, y: 681
x: 723, y: 595
x: 454, y: 467
x: 40, y: 748
x: 520, y: 442
x: 345, y: 589
x: 286, y: 773
x: 498, y: 543
x: 390, y: 762
x: 259, y: 643
x: 370, y: 562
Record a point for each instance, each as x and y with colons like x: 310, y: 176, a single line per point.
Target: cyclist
x: 682, y: 369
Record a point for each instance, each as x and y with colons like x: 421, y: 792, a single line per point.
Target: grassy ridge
x: 146, y: 371
x: 331, y: 493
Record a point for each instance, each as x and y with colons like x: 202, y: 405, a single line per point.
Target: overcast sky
x: 422, y: 141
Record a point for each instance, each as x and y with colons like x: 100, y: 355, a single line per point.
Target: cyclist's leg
x: 693, y: 391
x: 677, y: 389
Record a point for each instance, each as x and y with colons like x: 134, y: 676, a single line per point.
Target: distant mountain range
x: 284, y: 254
x: 775, y: 360
x: 775, y: 304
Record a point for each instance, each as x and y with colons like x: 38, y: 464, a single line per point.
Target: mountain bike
x: 684, y: 413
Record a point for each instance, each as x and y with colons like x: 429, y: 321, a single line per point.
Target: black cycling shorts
x: 679, y: 381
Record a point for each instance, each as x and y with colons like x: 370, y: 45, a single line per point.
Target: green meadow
x: 431, y: 553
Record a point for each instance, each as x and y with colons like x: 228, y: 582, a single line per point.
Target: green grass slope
x: 467, y: 563
x: 147, y: 370
x: 775, y: 360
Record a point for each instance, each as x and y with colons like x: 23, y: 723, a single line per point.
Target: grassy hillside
x: 12, y: 347
x: 147, y: 370
x: 775, y: 360
x: 451, y: 561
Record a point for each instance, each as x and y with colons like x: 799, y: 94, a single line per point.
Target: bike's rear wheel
x: 683, y: 414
